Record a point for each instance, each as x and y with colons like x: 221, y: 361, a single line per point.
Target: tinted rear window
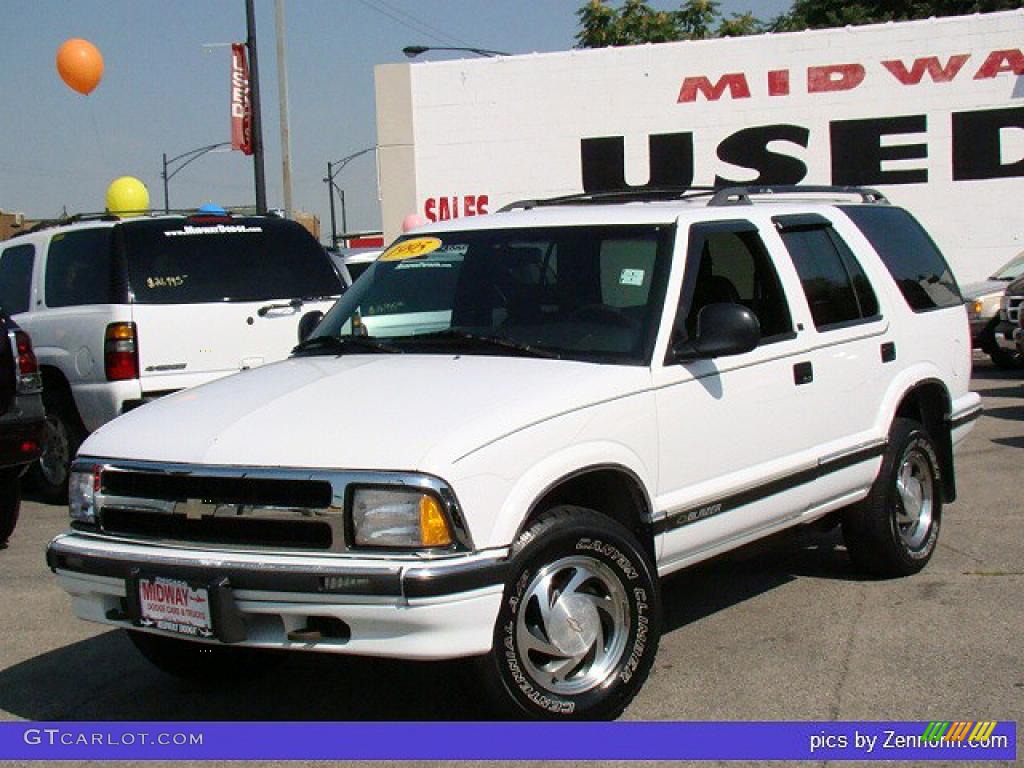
x: 174, y: 262
x: 79, y: 268
x: 910, y: 255
x: 16, y: 278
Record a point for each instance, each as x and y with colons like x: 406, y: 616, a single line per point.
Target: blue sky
x: 163, y: 91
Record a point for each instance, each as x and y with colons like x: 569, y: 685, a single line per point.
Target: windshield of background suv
x: 1011, y: 271
x: 576, y: 292
x: 245, y: 259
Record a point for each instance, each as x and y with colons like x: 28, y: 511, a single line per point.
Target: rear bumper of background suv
x: 410, y: 609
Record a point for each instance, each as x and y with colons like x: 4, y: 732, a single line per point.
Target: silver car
x: 982, y: 301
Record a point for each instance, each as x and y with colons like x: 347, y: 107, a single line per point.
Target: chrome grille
x: 1011, y: 305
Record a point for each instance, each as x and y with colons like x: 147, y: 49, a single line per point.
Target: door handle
x: 803, y: 373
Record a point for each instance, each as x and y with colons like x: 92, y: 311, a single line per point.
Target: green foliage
x: 635, y: 22
x: 820, y: 14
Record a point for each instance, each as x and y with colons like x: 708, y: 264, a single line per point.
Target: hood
x: 978, y: 290
x: 398, y: 412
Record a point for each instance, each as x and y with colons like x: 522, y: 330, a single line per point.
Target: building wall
x: 930, y: 112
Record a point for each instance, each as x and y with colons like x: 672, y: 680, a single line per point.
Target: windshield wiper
x: 339, y: 345
x: 483, y: 341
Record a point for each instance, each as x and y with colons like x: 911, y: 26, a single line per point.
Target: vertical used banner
x: 241, y: 109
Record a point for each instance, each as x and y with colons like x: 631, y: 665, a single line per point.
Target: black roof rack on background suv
x: 733, y: 195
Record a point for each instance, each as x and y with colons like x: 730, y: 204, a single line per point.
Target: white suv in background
x: 125, y: 311
x: 511, y: 427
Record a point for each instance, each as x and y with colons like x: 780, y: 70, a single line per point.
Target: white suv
x: 507, y: 431
x: 122, y: 312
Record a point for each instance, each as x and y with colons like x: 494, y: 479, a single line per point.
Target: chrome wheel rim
x: 56, y: 454
x: 915, y: 499
x: 572, y: 625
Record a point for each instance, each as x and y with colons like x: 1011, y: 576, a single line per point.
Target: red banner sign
x: 241, y: 109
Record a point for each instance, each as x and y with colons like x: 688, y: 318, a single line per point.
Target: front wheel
x: 579, y: 622
x: 894, y: 531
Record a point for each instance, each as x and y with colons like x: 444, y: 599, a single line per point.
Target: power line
x: 409, y: 21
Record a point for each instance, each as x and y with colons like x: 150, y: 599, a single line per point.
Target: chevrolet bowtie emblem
x: 193, y: 509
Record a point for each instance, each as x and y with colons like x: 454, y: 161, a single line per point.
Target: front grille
x: 240, y: 511
x: 235, y: 531
x: 1013, y: 305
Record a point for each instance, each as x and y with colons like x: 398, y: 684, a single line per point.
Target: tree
x: 636, y: 22
x: 820, y: 14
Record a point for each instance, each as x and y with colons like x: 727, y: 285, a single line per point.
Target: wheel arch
x: 928, y: 402
x: 612, y: 490
x: 56, y: 385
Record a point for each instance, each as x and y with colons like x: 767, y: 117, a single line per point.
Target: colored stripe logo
x: 944, y: 730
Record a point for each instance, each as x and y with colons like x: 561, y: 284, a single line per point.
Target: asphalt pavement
x: 783, y: 630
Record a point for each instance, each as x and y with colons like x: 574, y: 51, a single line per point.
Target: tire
x: 1008, y: 361
x: 63, y: 434
x: 894, y: 531
x: 203, y: 662
x: 10, y: 503
x: 588, y: 655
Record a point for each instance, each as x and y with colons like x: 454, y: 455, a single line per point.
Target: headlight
x: 398, y: 518
x: 82, y: 487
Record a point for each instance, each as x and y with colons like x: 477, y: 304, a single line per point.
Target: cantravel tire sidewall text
x: 578, y: 544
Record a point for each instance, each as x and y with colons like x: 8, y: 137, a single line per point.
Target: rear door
x: 213, y: 297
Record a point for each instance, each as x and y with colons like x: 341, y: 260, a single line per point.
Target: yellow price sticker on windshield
x: 410, y: 249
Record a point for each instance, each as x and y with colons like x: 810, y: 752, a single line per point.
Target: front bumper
x: 429, y: 609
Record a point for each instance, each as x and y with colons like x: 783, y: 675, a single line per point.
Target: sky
x: 165, y: 89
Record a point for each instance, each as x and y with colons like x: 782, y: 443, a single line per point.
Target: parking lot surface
x: 786, y: 630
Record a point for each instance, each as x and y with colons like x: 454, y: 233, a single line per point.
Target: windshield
x: 1012, y: 270
x: 586, y: 293
x: 245, y: 259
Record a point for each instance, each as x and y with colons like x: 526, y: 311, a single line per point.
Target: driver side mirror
x: 308, y: 322
x: 722, y: 330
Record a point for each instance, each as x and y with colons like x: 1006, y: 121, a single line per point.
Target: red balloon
x: 80, y: 65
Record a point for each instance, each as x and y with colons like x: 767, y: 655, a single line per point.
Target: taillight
x: 29, y: 377
x: 121, y: 352
x: 27, y: 363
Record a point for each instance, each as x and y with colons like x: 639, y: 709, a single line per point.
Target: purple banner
x: 500, y: 741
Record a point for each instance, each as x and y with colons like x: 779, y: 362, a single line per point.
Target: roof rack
x: 75, y: 218
x: 735, y: 195
x: 639, y: 194
x: 741, y: 195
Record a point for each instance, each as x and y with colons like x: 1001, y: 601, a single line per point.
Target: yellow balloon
x: 127, y: 196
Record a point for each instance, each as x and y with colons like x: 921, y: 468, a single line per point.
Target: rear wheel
x: 894, y: 531
x: 62, y: 436
x: 579, y: 623
x: 10, y: 503
x: 202, y: 662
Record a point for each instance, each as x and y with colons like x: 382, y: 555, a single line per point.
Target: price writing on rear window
x: 410, y: 249
x: 166, y: 281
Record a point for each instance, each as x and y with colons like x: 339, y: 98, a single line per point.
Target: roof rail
x: 741, y: 195
x: 638, y: 194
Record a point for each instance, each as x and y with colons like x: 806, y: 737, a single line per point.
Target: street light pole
x: 333, y: 169
x: 412, y: 51
x: 254, y: 105
x: 187, y: 157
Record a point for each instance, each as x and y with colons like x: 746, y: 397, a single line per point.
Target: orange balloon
x: 80, y: 65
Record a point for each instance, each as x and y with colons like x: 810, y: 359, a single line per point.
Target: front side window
x: 589, y: 293
x: 79, y: 268
x: 16, y: 278
x: 837, y: 290
x: 732, y: 266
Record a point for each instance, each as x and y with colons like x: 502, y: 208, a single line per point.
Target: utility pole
x: 254, y: 95
x: 282, y: 98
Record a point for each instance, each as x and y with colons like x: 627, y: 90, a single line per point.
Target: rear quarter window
x: 79, y: 268
x: 911, y: 256
x: 16, y: 278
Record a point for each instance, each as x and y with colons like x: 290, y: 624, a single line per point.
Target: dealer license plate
x: 175, y: 606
